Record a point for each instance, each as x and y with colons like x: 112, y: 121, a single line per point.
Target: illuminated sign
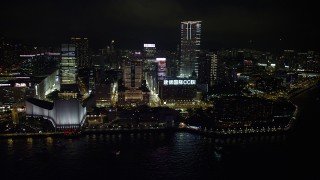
x: 261, y: 64
x: 149, y: 45
x: 161, y: 68
x: 68, y: 53
x: 247, y: 62
x: 179, y: 82
x: 27, y: 55
x: 20, y: 85
x: 4, y: 85
x: 23, y: 77
x: 53, y: 54
x: 21, y: 109
x: 161, y: 59
x: 36, y: 87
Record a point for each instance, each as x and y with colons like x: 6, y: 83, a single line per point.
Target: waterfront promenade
x: 201, y: 131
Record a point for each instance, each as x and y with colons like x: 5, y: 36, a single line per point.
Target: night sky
x: 226, y: 23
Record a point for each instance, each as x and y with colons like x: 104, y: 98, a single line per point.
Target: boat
x: 118, y: 153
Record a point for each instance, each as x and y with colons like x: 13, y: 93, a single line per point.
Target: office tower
x: 150, y: 65
x: 149, y: 51
x: 214, y: 69
x: 190, y: 48
x: 208, y: 68
x: 82, y: 51
x: 9, y: 53
x: 68, y: 65
x: 91, y: 81
x: 288, y: 59
x: 247, y: 67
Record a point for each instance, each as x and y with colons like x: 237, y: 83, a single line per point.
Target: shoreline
x: 235, y: 133
x: 133, y: 131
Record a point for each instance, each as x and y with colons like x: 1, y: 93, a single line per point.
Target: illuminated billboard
x: 27, y: 55
x: 68, y: 53
x: 20, y: 85
x: 149, y: 45
x: 247, y: 63
x: 161, y: 68
x: 180, y: 82
x: 5, y: 85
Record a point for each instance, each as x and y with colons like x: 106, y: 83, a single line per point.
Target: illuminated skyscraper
x: 149, y: 51
x: 190, y: 48
x: 213, y: 69
x: 82, y: 51
x: 208, y: 68
x: 68, y: 65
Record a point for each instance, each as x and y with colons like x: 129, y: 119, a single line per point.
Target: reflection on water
x: 49, y: 143
x: 218, y: 152
x: 10, y: 142
x: 251, y: 139
x: 163, y: 155
x: 10, y: 146
x: 29, y: 140
x: 49, y: 140
x: 29, y: 143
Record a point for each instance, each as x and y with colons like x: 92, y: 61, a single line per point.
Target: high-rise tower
x: 68, y: 65
x: 190, y: 48
x: 82, y: 51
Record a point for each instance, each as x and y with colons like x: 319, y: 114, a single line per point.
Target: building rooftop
x: 69, y: 87
x: 43, y: 104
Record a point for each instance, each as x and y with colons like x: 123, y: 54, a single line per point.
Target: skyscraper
x: 149, y: 51
x: 190, y: 48
x: 68, y: 65
x: 82, y: 51
x: 208, y: 68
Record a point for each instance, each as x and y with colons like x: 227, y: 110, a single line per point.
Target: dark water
x: 170, y: 155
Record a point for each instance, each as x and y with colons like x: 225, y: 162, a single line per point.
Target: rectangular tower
x: 68, y: 65
x: 82, y: 51
x: 190, y: 48
x: 149, y: 51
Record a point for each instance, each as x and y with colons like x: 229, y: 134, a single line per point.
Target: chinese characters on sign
x: 179, y: 82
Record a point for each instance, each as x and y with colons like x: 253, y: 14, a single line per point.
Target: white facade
x: 63, y: 113
x: 47, y: 85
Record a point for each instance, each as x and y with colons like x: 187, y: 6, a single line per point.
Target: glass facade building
x: 68, y: 65
x: 190, y: 48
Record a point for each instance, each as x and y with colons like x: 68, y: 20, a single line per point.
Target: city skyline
x: 225, y: 24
